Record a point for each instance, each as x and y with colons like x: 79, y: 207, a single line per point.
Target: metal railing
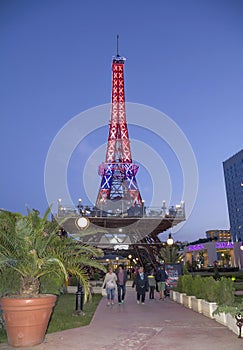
x: 177, y: 211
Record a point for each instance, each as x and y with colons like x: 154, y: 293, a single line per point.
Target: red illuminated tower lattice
x: 119, y: 189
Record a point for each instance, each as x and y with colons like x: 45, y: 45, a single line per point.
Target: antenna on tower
x: 117, y: 42
x: 118, y: 58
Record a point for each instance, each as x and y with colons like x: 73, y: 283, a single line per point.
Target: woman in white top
x: 110, y: 285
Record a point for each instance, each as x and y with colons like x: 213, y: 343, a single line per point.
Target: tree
x: 31, y: 248
x: 170, y: 254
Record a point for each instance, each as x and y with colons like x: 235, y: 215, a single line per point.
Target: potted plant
x: 198, y: 291
x: 187, y: 283
x: 32, y: 251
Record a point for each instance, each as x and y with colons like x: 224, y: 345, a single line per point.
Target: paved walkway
x: 156, y: 325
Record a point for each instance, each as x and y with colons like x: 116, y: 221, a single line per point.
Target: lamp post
x: 130, y: 260
x: 81, y: 223
x: 59, y: 206
x: 170, y: 242
x: 222, y: 257
x: 79, y: 300
x: 80, y: 206
x: 163, y: 208
x: 143, y: 208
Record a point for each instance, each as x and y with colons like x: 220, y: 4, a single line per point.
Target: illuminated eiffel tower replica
x: 119, y: 189
x: 118, y: 218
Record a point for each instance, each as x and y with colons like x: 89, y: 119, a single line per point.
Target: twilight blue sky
x: 184, y: 58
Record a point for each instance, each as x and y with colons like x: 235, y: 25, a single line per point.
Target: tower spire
x: 117, y: 42
x: 119, y: 189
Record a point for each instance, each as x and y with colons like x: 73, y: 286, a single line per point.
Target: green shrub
x: 185, y: 270
x: 231, y: 309
x: 10, y: 281
x: 179, y: 285
x: 187, y: 282
x: 198, y: 287
x: 52, y: 285
x: 96, y: 276
x: 184, y: 284
x: 73, y: 281
x: 210, y: 289
x: 225, y: 293
x: 219, y: 291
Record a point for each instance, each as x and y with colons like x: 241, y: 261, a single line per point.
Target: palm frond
x: 31, y: 246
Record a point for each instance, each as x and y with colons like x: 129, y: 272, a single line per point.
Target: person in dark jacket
x: 121, y: 274
x: 141, y: 283
x: 152, y: 284
x: 161, y: 277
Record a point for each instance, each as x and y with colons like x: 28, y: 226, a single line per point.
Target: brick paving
x: 156, y: 325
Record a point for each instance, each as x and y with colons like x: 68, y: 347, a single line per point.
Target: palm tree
x: 227, y: 258
x: 170, y: 255
x: 30, y: 246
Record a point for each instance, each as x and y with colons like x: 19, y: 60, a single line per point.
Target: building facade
x: 233, y: 174
x: 219, y: 235
x: 227, y: 254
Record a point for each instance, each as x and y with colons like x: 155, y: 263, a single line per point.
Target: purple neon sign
x: 224, y: 245
x: 218, y: 245
x: 196, y: 247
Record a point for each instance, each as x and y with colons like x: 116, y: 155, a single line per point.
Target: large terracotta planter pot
x: 27, y: 319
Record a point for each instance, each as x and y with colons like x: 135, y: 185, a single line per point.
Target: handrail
x: 139, y: 211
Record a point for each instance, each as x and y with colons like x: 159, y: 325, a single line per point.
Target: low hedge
x: 207, y: 288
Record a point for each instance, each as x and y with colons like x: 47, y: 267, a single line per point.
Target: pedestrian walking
x: 141, y: 283
x: 121, y: 283
x: 161, y: 277
x: 110, y: 285
x: 152, y: 284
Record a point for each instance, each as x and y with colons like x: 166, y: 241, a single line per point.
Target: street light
x: 60, y: 207
x: 222, y: 255
x: 170, y: 242
x: 79, y: 300
x: 130, y: 259
x: 81, y: 223
x: 143, y: 211
x: 80, y: 206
